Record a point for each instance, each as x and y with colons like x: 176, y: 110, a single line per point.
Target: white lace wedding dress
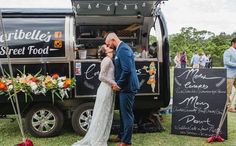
x: 100, y: 127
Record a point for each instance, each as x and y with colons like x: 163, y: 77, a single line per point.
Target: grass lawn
x: 10, y: 135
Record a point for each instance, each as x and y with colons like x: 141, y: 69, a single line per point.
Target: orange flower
x: 152, y: 72
x: 55, y: 76
x: 67, y: 83
x: 34, y: 79
x: 3, y: 86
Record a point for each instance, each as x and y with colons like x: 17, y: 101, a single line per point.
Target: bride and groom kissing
x: 120, y: 78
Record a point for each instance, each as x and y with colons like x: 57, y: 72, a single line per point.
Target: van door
x: 160, y: 30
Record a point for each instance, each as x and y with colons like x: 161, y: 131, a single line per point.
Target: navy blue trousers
x: 126, y: 116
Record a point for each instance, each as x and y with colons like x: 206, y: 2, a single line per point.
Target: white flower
x: 33, y: 86
x: 43, y: 90
x: 43, y: 85
x: 62, y: 94
x: 63, y: 78
x: 41, y: 78
x: 36, y: 92
x: 60, y: 84
x: 10, y: 87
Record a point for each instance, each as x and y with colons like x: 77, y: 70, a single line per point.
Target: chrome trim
x: 142, y: 94
x: 33, y: 60
x: 69, y: 69
x: 75, y: 89
x: 83, y: 96
x: 43, y: 121
x: 36, y: 62
x: 85, y: 119
x: 71, y: 31
x: 139, y: 94
x: 67, y: 36
x: 147, y: 59
x: 159, y: 84
x: 159, y: 39
x: 87, y: 60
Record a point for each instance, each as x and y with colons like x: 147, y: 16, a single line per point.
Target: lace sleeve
x: 103, y: 75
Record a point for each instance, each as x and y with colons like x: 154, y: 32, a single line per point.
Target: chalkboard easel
x: 198, y: 103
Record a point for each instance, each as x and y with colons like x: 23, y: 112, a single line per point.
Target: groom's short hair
x: 111, y: 36
x: 233, y: 41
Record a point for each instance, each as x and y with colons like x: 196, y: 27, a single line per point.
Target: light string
x: 116, y: 3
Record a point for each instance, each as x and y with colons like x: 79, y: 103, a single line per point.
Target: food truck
x: 64, y: 37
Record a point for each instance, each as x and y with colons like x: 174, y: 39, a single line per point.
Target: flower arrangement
x: 36, y: 84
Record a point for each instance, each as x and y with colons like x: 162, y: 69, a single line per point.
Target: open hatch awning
x: 36, y: 7
x: 115, y: 7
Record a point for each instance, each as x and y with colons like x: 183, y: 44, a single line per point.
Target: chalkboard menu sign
x: 198, y: 102
x: 87, y: 81
x: 87, y: 73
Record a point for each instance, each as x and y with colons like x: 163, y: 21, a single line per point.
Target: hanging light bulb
x: 144, y: 4
x: 136, y: 7
x: 89, y: 6
x: 97, y: 5
x: 108, y: 8
x: 116, y: 3
x: 78, y: 6
x: 125, y: 7
x: 74, y: 9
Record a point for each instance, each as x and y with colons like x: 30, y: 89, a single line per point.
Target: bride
x: 100, y: 127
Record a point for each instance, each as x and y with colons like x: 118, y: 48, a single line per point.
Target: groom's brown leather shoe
x: 123, y: 144
x: 114, y: 139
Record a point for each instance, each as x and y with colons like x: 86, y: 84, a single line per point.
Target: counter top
x: 88, y: 60
x: 146, y: 59
x: 98, y: 60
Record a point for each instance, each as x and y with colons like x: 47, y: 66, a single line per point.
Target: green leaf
x: 31, y: 97
x: 8, y: 75
x: 20, y: 71
x: 52, y: 96
x: 24, y: 69
x: 38, y: 72
x: 26, y: 98
x: 59, y: 96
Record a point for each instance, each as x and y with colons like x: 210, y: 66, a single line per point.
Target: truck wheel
x: 44, y: 121
x: 81, y: 118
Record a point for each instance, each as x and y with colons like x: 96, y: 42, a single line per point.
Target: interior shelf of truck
x: 101, y: 38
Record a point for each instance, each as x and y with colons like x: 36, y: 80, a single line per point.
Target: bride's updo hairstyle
x: 102, y: 51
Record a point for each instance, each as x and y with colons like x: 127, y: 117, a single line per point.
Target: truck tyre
x: 81, y: 118
x: 44, y: 121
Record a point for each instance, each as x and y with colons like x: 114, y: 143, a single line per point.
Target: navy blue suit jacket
x: 125, y: 70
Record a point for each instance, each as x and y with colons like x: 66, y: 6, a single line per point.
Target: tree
x: 190, y: 40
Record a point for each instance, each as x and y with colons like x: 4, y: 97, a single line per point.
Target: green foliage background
x: 190, y: 40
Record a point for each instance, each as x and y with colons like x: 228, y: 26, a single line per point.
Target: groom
x: 127, y: 84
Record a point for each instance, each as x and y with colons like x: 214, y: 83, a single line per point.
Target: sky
x: 35, y: 4
x: 213, y: 15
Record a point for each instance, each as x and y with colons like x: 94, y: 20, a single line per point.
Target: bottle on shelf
x: 143, y: 53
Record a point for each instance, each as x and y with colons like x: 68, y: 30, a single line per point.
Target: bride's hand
x: 115, y: 87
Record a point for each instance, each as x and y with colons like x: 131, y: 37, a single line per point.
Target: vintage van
x: 64, y: 37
